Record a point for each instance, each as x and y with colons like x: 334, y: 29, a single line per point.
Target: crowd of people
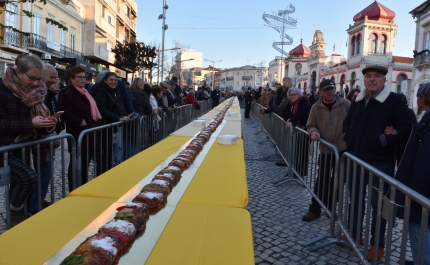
x: 35, y: 104
x: 373, y: 124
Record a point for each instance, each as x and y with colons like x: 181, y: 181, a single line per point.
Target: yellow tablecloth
x: 35, y: 240
x: 203, y: 234
x: 117, y: 181
x: 220, y: 179
x: 230, y: 127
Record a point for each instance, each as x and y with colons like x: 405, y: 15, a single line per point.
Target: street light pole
x: 164, y: 28
x: 213, y: 71
x: 158, y: 66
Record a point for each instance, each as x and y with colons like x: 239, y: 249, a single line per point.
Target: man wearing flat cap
x: 377, y: 120
x: 325, y: 121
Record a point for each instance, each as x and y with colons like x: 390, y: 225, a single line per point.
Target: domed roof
x: 300, y: 51
x: 375, y: 11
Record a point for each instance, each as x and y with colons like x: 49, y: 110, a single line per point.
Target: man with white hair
x: 376, y: 122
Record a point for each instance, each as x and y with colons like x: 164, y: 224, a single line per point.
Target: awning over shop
x: 90, y: 68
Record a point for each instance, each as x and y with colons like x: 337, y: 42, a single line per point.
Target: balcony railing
x: 14, y: 38
x: 100, y: 51
x: 246, y: 77
x: 38, y: 42
x: 421, y: 58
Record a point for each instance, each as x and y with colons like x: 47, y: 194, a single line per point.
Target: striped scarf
x: 32, y: 98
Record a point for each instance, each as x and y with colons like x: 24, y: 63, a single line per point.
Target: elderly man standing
x: 377, y: 120
x: 325, y: 121
x: 52, y: 83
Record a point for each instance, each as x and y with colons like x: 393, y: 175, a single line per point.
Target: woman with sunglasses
x: 81, y: 113
x: 23, y: 117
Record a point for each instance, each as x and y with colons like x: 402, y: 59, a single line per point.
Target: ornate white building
x: 370, y: 42
x: 421, y: 71
x: 241, y: 77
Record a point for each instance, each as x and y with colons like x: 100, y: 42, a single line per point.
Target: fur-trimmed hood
x: 381, y: 97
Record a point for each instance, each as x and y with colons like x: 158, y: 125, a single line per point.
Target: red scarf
x: 295, y: 107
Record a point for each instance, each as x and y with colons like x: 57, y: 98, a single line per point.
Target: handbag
x: 55, y: 143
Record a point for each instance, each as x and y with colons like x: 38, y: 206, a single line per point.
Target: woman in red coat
x: 190, y: 99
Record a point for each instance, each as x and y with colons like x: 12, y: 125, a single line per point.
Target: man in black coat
x: 215, y: 96
x: 248, y: 100
x: 414, y: 172
x: 376, y: 122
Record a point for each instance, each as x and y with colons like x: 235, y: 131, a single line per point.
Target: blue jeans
x: 387, y: 168
x: 414, y: 238
x: 45, y: 177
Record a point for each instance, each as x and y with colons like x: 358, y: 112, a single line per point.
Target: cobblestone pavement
x: 277, y: 212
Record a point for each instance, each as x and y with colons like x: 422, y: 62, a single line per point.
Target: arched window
x: 314, y: 81
x: 342, y: 83
x: 353, y: 46
x: 373, y: 43
x: 300, y: 85
x: 383, y: 44
x: 352, y: 81
x: 400, y: 79
x: 298, y: 69
x: 306, y: 85
x: 358, y: 44
x: 332, y: 78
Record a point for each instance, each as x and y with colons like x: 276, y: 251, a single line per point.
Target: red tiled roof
x: 375, y: 11
x: 300, y: 51
x: 400, y: 59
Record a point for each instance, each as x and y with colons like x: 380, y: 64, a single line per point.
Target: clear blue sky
x: 233, y: 31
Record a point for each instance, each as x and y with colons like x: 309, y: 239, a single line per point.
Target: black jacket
x: 215, y: 96
x: 140, y: 101
x: 171, y: 99
x: 363, y: 127
x: 52, y: 104
x: 302, y: 113
x: 414, y: 169
x: 110, y: 103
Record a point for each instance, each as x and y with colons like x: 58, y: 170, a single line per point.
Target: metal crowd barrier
x: 96, y: 150
x: 106, y: 146
x: 380, y: 193
x: 349, y: 197
x: 31, y: 155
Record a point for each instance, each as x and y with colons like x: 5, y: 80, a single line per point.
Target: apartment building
x: 46, y: 40
x: 106, y: 23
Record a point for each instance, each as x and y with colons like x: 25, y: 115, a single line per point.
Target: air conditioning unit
x: 46, y: 56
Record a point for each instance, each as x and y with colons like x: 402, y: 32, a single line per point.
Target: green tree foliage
x: 134, y: 56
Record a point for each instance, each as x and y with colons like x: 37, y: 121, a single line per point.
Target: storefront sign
x: 119, y: 72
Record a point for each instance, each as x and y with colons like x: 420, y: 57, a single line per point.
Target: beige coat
x: 329, y: 123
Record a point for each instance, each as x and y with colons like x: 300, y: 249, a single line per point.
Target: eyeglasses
x: 81, y: 77
x: 291, y: 95
x: 33, y: 78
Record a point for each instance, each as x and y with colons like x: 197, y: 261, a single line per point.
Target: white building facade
x: 370, y: 42
x: 239, y: 78
x: 421, y: 70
